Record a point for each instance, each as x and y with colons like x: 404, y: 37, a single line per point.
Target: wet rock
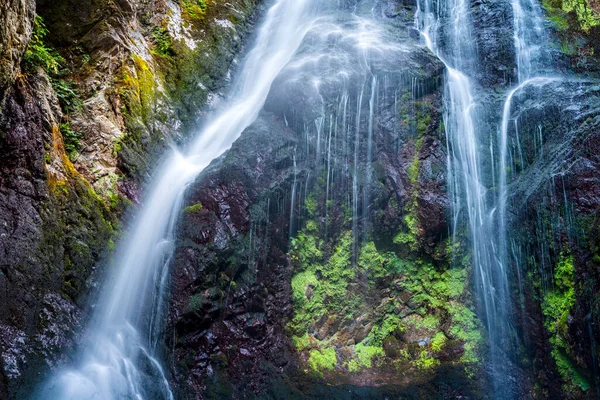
x: 493, y: 33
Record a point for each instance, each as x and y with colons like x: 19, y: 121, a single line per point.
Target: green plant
x: 195, y: 302
x: 71, y: 140
x: 372, y: 262
x: 556, y: 306
x: 193, y: 9
x: 438, y: 342
x: 572, y: 14
x: 425, y: 361
x: 37, y: 53
x: 365, y: 354
x: 322, y: 360
x: 162, y: 42
x: 301, y: 342
x: 67, y: 94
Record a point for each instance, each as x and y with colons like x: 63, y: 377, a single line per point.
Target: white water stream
x: 119, y: 359
x: 486, y: 213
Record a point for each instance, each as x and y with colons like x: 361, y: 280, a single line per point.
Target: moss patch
x: 556, y: 306
x: 387, y: 310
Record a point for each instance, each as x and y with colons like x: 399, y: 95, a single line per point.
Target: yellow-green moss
x: 365, y: 354
x: 556, y: 306
x: 322, y: 360
x: 425, y: 361
x: 193, y: 209
x: 572, y: 14
x: 138, y: 90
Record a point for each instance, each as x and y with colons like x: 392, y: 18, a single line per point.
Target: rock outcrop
x: 90, y: 96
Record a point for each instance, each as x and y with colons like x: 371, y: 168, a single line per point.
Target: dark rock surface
x: 231, y: 293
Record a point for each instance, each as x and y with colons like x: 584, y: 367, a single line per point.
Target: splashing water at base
x: 119, y: 357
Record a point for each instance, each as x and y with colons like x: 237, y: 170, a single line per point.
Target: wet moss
x: 570, y: 14
x: 556, y: 307
x: 194, y: 209
x: 322, y: 360
x: 412, y: 231
x: 325, y: 291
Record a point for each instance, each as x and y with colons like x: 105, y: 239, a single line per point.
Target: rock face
x: 81, y: 113
x: 272, y: 298
x: 255, y: 317
x: 17, y: 17
x: 556, y: 209
x: 313, y: 259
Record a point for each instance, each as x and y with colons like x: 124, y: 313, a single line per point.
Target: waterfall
x: 355, y: 232
x: 466, y: 178
x: 120, y: 357
x: 293, y: 199
x: 369, y: 160
x: 529, y: 36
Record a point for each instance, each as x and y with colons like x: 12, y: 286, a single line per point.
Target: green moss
x: 572, y: 14
x: 442, y: 291
x: 322, y: 360
x: 556, y: 306
x: 301, y: 342
x: 301, y: 284
x: 411, y: 233
x: 353, y: 366
x: 380, y: 287
x: 438, y: 341
x: 365, y: 354
x: 311, y: 205
x: 372, y: 262
x: 413, y: 170
x: 321, y: 284
x: 193, y: 209
x: 465, y: 327
x: 38, y: 53
x: 383, y: 328
x: 306, y: 249
x: 429, y: 322
x: 138, y: 89
x: 569, y: 372
x: 195, y: 302
x: 77, y: 230
x: 193, y: 9
x: 425, y: 361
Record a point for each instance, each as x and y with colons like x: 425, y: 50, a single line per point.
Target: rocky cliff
x: 316, y: 258
x: 284, y: 288
x: 91, y: 96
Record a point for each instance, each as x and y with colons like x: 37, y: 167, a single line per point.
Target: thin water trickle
x: 120, y: 358
x: 369, y: 160
x: 466, y: 157
x: 293, y: 200
x: 355, y: 191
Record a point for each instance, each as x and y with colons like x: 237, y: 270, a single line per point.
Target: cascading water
x: 448, y: 23
x: 119, y: 359
x: 529, y: 37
